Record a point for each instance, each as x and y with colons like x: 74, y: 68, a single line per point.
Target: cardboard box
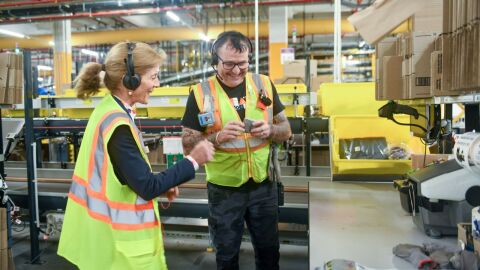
x: 419, y: 51
x: 406, y: 85
x: 155, y: 155
x: 406, y: 67
x: 320, y: 157
x: 417, y: 159
x: 477, y: 50
x: 436, y: 73
x: 392, y: 78
x: 465, y: 234
x: 446, y: 27
x: 3, y: 219
x: 420, y: 79
x: 446, y: 41
x: 4, y: 259
x: 380, y: 18
x: 3, y: 82
x: 8, y: 60
x: 429, y: 19
x: 466, y: 239
x: 438, y: 44
x: 3, y: 229
x: 11, y: 79
x: 296, y: 69
x: 18, y: 86
x: 421, y: 42
x: 314, y: 82
x: 386, y: 47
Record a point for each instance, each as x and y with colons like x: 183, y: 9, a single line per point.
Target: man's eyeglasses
x: 231, y: 65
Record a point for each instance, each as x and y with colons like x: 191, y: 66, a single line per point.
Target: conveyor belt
x: 315, y: 171
x: 53, y: 186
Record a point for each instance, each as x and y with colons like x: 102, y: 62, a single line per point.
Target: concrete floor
x: 361, y: 222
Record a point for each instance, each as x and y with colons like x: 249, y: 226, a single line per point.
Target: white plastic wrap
x: 467, y: 151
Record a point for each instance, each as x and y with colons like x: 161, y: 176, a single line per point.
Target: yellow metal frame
x: 369, y: 126
x: 348, y: 99
x: 152, y: 112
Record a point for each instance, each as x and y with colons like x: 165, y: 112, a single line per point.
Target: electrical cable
x: 424, y: 154
x: 409, y: 124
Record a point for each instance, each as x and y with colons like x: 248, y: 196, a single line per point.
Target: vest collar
x: 127, y: 108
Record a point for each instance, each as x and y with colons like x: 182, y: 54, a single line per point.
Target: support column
x: 278, y: 39
x: 337, y: 41
x: 62, y: 55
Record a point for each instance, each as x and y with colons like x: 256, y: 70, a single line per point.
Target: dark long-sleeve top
x: 132, y: 170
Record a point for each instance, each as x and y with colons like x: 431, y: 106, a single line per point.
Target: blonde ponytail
x: 88, y: 82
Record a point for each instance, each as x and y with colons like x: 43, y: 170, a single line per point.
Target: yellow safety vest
x: 106, y: 224
x: 245, y: 157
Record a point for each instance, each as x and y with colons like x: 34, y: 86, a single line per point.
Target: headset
x: 131, y: 80
x: 226, y: 35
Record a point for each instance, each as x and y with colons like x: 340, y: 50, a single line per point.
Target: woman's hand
x: 172, y: 193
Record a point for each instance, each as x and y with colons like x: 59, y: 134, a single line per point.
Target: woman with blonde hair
x: 112, y: 219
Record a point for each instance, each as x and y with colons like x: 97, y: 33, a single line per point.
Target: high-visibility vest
x: 245, y: 157
x: 106, y: 224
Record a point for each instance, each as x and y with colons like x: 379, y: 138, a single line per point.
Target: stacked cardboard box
x: 11, y: 78
x: 294, y: 72
x: 434, y: 64
x: 386, y: 59
x: 461, y: 46
x: 404, y: 66
x: 430, y: 18
x: 4, y: 260
x: 417, y: 55
x: 466, y: 239
x: 382, y: 17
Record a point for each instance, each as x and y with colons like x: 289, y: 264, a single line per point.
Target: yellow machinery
x: 165, y: 102
x: 353, y: 113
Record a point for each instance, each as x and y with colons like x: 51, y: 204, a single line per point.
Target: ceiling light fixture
x: 89, y: 52
x: 173, y: 16
x: 10, y: 33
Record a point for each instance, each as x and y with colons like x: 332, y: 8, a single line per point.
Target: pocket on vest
x: 139, y: 254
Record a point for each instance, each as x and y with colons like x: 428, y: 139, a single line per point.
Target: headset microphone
x: 216, y: 71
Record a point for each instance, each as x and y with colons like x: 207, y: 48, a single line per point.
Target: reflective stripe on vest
x: 259, y: 83
x: 121, y: 215
x: 236, y: 145
x: 209, y: 104
x: 108, y: 212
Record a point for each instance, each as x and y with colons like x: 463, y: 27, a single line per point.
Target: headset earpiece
x: 131, y: 80
x: 250, y: 52
x: 214, y: 57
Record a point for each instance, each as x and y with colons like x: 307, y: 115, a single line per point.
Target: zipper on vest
x: 249, y: 161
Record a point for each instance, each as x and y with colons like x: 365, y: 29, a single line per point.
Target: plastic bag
x: 364, y: 148
x: 399, y: 152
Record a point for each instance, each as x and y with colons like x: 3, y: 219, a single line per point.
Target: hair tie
x: 104, y: 68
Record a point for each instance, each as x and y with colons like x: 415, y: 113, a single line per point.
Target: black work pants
x: 253, y: 203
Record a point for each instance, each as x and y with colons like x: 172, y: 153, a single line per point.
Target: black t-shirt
x: 237, y: 96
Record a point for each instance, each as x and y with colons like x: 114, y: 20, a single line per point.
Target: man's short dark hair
x: 238, y: 41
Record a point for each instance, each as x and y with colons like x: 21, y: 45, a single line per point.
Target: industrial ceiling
x: 34, y: 17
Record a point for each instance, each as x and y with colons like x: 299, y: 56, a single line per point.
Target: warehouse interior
x: 382, y: 170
